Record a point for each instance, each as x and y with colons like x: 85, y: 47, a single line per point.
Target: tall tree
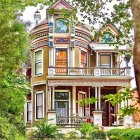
x: 125, y: 14
x: 135, y: 6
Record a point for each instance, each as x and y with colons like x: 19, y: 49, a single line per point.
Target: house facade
x: 69, y: 66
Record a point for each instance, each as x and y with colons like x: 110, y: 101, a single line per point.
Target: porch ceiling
x: 93, y: 83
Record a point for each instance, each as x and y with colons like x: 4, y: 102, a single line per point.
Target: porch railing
x: 88, y: 71
x: 73, y: 121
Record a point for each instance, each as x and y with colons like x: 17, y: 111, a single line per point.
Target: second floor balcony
x: 88, y: 71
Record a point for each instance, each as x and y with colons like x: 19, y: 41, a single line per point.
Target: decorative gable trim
x: 61, y: 4
x: 110, y: 27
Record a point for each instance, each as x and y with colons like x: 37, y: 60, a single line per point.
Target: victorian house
x: 68, y: 66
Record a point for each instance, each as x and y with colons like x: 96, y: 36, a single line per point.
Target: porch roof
x: 85, y: 82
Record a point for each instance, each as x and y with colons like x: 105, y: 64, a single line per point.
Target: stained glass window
x: 62, y: 25
x: 61, y: 95
x: 107, y: 38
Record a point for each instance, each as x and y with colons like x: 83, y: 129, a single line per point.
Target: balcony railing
x: 92, y: 71
x: 73, y: 121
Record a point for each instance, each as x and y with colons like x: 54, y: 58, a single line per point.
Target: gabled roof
x: 61, y: 4
x: 111, y: 27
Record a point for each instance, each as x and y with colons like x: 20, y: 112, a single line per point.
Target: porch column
x: 99, y: 98
x: 97, y: 59
x: 49, y: 99
x: 74, y: 99
x: 97, y: 114
x: 96, y: 98
x: 53, y: 90
x: 89, y: 98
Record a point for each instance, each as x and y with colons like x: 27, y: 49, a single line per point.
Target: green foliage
x: 86, y: 130
x: 45, y: 130
x: 115, y: 134
x: 72, y: 135
x: 120, y: 96
x: 98, y: 134
x: 124, y: 134
x: 87, y: 101
x: 131, y: 134
x: 13, y: 85
x: 9, y: 131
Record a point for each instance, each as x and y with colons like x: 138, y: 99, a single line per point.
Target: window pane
x: 29, y: 106
x: 29, y: 111
x: 40, y: 112
x: 105, y: 60
x: 39, y: 105
x: 62, y: 95
x: 38, y: 62
x: 39, y: 98
x: 107, y: 38
x: 29, y: 116
x: 62, y: 25
x: 38, y: 55
x: 61, y: 58
x: 83, y: 59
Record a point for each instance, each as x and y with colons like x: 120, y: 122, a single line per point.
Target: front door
x: 61, y: 108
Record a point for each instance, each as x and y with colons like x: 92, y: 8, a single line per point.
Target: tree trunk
x: 135, y: 6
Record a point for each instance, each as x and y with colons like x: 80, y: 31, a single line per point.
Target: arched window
x: 107, y: 38
x: 62, y: 25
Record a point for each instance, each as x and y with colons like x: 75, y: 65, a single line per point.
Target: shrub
x: 72, y: 135
x: 115, y: 134
x: 45, y: 130
x: 98, y: 134
x: 131, y: 134
x: 86, y: 130
x: 124, y: 134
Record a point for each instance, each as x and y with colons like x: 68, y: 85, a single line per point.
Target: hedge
x: 124, y: 134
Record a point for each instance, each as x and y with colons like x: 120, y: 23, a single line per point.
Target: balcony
x: 88, y: 71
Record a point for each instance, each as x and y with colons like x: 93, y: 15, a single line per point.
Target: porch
x: 88, y: 71
x: 68, y: 112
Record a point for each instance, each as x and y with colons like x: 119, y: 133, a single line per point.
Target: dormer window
x: 107, y: 38
x: 62, y: 25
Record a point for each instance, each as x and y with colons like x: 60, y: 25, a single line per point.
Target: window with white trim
x: 29, y: 111
x: 38, y: 63
x: 39, y: 105
x: 83, y: 59
x: 105, y: 60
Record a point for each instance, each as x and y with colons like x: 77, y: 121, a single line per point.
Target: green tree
x: 125, y: 15
x: 13, y: 85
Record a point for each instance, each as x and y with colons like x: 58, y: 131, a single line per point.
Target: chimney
x: 37, y: 17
